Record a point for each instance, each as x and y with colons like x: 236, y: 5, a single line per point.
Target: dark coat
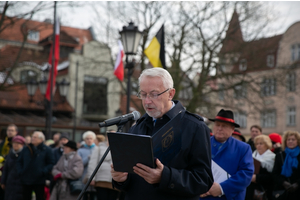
x: 264, y: 181
x: 10, y: 177
x: 57, y: 153
x: 279, y: 179
x: 188, y: 174
x: 251, y: 143
x: 36, y: 166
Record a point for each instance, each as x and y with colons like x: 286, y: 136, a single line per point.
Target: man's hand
x: 150, y: 175
x: 293, y: 187
x: 3, y: 186
x: 92, y: 183
x: 215, y: 191
x: 286, y: 185
x: 253, y: 178
x: 118, y: 176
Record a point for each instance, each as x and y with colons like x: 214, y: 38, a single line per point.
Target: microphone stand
x: 120, y: 127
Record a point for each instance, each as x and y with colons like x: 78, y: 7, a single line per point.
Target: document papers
x: 218, y: 172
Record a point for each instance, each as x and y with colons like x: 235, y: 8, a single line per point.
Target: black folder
x: 129, y: 149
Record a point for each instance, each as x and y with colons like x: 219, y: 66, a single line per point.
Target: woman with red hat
x: 11, y: 181
x: 276, y: 141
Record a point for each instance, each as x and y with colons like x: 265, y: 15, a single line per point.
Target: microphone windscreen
x: 136, y: 115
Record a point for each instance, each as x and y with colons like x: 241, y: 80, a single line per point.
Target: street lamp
x: 130, y: 36
x: 63, y: 88
x: 31, y: 88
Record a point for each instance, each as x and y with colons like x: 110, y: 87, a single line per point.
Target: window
x: 221, y: 93
x: 291, y: 82
x: 291, y: 116
x: 241, y: 119
x: 268, y: 118
x: 243, y: 65
x: 240, y: 91
x: 270, y: 60
x: 268, y: 87
x: 34, y: 35
x: 28, y: 75
x: 295, y: 51
x: 95, y: 95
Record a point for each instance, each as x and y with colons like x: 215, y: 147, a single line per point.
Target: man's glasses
x: 152, y: 95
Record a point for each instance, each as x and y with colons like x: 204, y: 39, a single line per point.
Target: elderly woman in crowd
x: 68, y: 167
x: 261, y: 181
x: 102, y: 180
x: 10, y: 180
x: 286, y: 172
x: 85, y: 153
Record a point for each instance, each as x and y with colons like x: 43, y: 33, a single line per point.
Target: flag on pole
x: 56, y: 59
x: 156, y: 49
x: 119, y: 67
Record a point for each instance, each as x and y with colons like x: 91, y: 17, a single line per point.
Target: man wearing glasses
x: 188, y: 174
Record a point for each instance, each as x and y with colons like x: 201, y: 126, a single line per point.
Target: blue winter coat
x: 10, y: 177
x: 36, y: 166
x: 235, y: 157
x: 188, y: 174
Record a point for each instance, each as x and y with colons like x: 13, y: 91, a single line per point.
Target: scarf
x: 6, y: 147
x: 290, y: 161
x: 90, y: 147
x: 266, y: 159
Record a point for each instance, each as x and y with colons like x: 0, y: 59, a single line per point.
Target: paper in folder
x: 129, y: 149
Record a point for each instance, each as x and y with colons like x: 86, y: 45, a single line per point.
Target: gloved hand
x: 293, y: 187
x: 57, y: 176
x: 286, y: 185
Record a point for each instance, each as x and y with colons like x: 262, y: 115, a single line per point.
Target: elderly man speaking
x: 233, y: 156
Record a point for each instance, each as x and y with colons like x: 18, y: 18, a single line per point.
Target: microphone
x: 135, y: 115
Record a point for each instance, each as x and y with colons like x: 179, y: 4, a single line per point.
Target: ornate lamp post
x: 130, y: 36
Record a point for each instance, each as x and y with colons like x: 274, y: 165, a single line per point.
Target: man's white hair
x: 40, y: 135
x: 89, y: 133
x: 158, y: 72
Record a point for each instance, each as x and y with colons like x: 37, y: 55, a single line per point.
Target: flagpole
x: 48, y: 136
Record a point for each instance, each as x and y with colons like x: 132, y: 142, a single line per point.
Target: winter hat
x: 71, y: 144
x: 19, y: 139
x: 275, y: 137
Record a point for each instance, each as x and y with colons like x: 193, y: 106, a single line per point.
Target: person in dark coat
x: 34, y: 165
x: 262, y: 177
x: 58, y: 152
x: 11, y: 181
x: 286, y: 171
x: 188, y: 174
x: 255, y: 130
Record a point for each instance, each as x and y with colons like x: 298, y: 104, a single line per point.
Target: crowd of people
x: 217, y: 164
x: 35, y: 170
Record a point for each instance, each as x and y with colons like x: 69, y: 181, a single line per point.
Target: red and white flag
x: 56, y: 59
x: 119, y: 67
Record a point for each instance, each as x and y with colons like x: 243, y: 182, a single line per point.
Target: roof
x: 14, y: 32
x: 234, y: 36
x: 16, y: 98
x: 255, y: 52
x: 8, y: 55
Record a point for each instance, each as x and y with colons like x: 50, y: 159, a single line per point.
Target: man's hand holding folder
x: 151, y: 175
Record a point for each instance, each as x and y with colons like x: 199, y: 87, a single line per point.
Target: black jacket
x: 10, y: 177
x: 188, y: 174
x: 35, y: 166
x: 279, y: 179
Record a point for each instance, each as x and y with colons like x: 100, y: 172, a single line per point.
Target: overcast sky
x: 288, y: 13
